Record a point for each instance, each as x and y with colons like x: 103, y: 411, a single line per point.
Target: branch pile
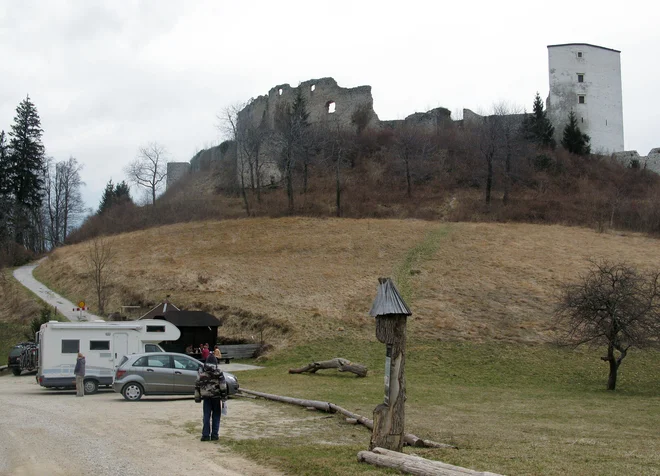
x: 408, y: 439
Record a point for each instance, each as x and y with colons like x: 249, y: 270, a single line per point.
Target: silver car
x: 160, y: 373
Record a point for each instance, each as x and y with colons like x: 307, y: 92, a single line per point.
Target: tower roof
x: 585, y: 44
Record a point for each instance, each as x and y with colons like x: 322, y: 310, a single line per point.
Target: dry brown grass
x: 318, y: 277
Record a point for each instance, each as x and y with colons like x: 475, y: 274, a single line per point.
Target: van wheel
x: 132, y: 391
x: 16, y: 371
x: 91, y: 387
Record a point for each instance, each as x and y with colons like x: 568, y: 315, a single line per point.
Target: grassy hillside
x: 309, y: 278
x: 480, y: 370
x: 17, y: 308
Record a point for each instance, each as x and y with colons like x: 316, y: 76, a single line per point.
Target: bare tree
x: 411, y: 144
x: 612, y: 305
x: 100, y: 256
x: 509, y: 122
x: 248, y: 144
x: 337, y: 143
x: 292, y: 126
x: 63, y: 200
x: 149, y: 169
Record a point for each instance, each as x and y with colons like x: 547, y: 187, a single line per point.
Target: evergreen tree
x: 106, y: 198
x: 114, y: 195
x: 26, y: 172
x: 5, y: 195
x: 537, y: 127
x: 574, y: 140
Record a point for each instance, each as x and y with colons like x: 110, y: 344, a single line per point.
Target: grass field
x: 482, y: 372
x: 510, y: 408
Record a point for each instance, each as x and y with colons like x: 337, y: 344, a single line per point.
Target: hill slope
x: 308, y: 278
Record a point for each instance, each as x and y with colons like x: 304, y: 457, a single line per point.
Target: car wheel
x: 91, y: 387
x: 16, y: 371
x: 132, y: 391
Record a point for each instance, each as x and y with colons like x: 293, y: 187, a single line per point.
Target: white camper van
x: 103, y: 344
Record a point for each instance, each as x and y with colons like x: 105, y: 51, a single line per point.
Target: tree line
x: 40, y: 201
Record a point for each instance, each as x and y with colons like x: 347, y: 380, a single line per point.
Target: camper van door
x: 120, y: 346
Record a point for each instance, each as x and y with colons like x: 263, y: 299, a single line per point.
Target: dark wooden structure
x: 391, y: 313
x: 197, y: 327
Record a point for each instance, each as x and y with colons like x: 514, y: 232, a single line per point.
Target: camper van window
x: 99, y: 345
x: 155, y: 328
x: 70, y: 346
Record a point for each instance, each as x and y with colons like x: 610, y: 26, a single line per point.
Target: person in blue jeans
x: 211, y: 389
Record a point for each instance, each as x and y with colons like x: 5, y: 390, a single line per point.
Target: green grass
x: 414, y: 257
x: 511, y: 409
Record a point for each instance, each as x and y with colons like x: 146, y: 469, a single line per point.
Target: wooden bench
x: 238, y: 351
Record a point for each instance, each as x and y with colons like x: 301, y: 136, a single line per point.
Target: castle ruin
x: 583, y: 78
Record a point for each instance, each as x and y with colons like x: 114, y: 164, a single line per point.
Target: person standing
x: 79, y: 372
x: 217, y: 353
x: 205, y: 352
x: 211, y: 390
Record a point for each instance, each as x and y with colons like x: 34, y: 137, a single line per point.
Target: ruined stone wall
x: 327, y: 103
x: 650, y: 162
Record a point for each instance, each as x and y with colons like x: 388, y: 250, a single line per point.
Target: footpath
x: 65, y: 307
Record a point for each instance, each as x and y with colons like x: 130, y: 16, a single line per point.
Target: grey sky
x: 109, y: 76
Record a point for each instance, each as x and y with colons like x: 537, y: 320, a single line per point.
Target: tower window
x: 580, y: 77
x: 579, y: 54
x: 581, y: 99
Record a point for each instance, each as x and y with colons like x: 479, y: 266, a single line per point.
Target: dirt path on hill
x: 65, y: 307
x: 52, y: 432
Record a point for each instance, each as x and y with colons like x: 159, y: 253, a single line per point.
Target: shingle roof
x: 388, y: 300
x: 192, y: 319
x: 160, y: 310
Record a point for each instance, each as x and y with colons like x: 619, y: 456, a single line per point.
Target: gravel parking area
x: 53, y: 432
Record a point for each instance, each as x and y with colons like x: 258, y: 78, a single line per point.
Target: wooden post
x: 391, y: 314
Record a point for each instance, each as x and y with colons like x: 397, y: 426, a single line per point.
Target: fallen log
x: 409, y: 439
x: 342, y: 365
x: 414, y: 464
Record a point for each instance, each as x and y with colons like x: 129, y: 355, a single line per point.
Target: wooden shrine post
x: 391, y: 313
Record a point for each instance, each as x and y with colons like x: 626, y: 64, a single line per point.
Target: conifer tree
x: 114, y: 195
x: 26, y: 171
x: 537, y: 127
x: 574, y: 140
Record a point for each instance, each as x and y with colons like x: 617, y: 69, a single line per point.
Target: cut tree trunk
x: 342, y: 365
x: 414, y: 464
x: 389, y: 417
x: 408, y: 438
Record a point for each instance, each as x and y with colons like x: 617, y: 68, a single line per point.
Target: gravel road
x: 50, y: 432
x: 24, y: 276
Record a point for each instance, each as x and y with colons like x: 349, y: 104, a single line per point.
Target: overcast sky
x: 110, y: 76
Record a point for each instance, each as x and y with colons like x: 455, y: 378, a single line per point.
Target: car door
x: 186, y: 370
x: 158, y: 374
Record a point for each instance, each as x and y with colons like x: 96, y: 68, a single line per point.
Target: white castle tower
x: 587, y: 80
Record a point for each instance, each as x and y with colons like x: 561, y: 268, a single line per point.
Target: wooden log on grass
x: 414, y: 464
x: 342, y: 365
x: 408, y: 438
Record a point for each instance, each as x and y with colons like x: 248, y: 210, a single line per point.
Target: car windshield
x: 15, y: 352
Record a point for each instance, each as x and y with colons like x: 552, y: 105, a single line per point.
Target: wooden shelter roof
x: 388, y: 300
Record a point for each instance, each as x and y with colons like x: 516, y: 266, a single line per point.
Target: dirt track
x: 53, y: 432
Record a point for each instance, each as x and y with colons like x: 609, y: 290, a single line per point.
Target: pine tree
x: 537, y: 127
x: 114, y: 195
x: 27, y: 156
x: 574, y: 140
x: 26, y: 173
x: 107, y: 198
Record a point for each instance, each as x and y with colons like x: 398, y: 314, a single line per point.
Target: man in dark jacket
x: 79, y: 372
x: 211, y: 389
